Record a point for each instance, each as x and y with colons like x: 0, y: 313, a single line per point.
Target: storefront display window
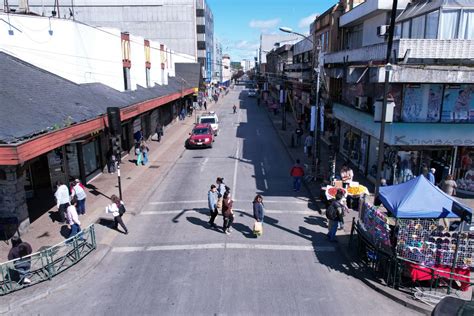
x: 91, y: 157
x: 422, y: 102
x: 465, y: 180
x: 458, y: 104
x: 73, y: 161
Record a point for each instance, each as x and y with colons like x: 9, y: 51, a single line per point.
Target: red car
x: 202, y: 135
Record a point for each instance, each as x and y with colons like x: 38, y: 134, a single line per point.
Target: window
x: 449, y: 24
x: 354, y: 37
x: 201, y: 45
x: 406, y: 29
x: 398, y: 31
x: 418, y: 27
x: 126, y: 78
x: 200, y: 29
x: 199, y: 12
x: 422, y: 102
x: 432, y: 21
x: 466, y: 29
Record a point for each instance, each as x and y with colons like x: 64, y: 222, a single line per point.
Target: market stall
x: 415, y: 224
x: 352, y: 193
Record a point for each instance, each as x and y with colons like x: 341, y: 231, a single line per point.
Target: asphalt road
x: 172, y: 263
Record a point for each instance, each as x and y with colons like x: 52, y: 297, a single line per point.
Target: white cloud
x: 264, y: 24
x: 246, y: 45
x: 305, y: 22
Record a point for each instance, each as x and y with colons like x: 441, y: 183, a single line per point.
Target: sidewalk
x: 314, y: 189
x: 44, y: 233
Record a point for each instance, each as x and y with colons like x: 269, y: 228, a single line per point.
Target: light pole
x: 315, y: 109
x: 388, y: 68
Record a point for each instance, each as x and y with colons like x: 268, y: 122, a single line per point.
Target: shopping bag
x: 154, y: 137
x: 219, y: 204
x: 258, y: 228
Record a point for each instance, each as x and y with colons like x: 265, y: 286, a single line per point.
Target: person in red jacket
x: 297, y: 172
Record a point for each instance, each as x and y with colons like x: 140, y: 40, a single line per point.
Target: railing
x: 44, y: 265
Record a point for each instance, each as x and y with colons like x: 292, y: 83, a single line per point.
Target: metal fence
x: 44, y: 265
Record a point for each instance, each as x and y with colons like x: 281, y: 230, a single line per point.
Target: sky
x: 239, y: 23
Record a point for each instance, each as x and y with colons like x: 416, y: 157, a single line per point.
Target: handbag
x: 258, y: 228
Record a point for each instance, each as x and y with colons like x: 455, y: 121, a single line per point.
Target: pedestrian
x: 73, y: 218
x: 117, y: 208
x: 62, y: 200
x: 431, y: 176
x: 205, y: 105
x: 227, y: 213
x: 212, y: 202
x: 159, y: 131
x: 79, y: 191
x: 144, y: 151
x: 299, y: 134
x: 347, y: 175
x: 258, y: 214
x: 334, y: 215
x: 297, y: 172
x: 21, y: 249
x: 449, y: 186
x: 182, y: 114
x: 220, y: 192
x: 111, y: 160
x: 308, y: 145
x: 138, y: 136
x: 234, y: 108
x: 138, y: 152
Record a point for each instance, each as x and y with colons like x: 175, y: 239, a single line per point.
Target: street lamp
x: 315, y: 117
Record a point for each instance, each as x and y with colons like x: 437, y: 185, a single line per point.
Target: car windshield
x: 210, y: 120
x: 201, y: 131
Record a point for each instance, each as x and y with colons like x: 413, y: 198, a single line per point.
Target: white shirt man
x: 62, y: 200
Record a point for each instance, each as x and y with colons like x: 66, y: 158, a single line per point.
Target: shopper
x: 159, y: 131
x: 73, y: 218
x: 117, y: 209
x: 297, y: 172
x: 299, y: 134
x: 220, y: 191
x: 144, y: 152
x: 227, y: 212
x: 234, y: 108
x: 19, y: 250
x: 62, y: 200
x: 431, y: 176
x: 79, y: 191
x: 449, y: 186
x: 111, y: 161
x: 258, y: 208
x: 347, y: 175
x: 334, y: 215
x: 212, y: 203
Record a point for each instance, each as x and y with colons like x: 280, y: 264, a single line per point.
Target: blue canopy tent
x: 419, y: 198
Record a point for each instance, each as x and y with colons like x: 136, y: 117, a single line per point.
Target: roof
x: 419, y: 198
x: 420, y: 7
x: 38, y: 101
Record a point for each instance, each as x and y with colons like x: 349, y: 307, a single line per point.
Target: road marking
x: 203, y: 165
x: 224, y: 246
x: 294, y: 201
x: 167, y: 212
x: 265, y: 183
x: 236, y: 163
x: 263, y: 169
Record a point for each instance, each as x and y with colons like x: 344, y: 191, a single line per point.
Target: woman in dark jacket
x: 227, y: 212
x: 258, y: 208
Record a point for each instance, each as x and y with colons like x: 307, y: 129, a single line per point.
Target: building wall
x: 370, y: 36
x: 13, y: 196
x: 226, y: 70
x: 167, y: 21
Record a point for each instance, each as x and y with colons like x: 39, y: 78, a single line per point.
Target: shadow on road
x: 200, y: 222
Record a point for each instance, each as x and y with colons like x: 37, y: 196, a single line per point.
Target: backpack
x: 331, y: 212
x: 121, y: 209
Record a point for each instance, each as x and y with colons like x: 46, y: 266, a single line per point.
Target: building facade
x: 430, y: 115
x: 226, y: 70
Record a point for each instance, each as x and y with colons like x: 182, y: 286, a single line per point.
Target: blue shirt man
x: 431, y: 176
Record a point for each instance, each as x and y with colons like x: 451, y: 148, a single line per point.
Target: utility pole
x: 385, y: 93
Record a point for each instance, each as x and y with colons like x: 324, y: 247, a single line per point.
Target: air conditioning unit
x: 382, y: 30
x: 361, y: 103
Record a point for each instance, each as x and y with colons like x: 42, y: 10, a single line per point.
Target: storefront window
x: 465, y: 170
x: 73, y: 161
x: 458, y: 104
x: 422, y: 102
x: 91, y: 157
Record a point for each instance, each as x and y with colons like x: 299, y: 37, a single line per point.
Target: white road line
x: 224, y: 246
x: 203, y: 165
x: 167, y: 212
x: 236, y: 163
x: 265, y: 183
x: 294, y: 201
x: 263, y: 169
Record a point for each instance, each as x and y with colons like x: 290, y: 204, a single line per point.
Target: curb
x: 97, y: 256
x: 346, y: 255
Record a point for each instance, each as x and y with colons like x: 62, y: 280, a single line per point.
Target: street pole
x: 118, y: 177
x: 316, y: 142
x: 385, y: 93
x: 283, y: 108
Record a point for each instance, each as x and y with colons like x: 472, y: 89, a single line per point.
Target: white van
x: 209, y: 118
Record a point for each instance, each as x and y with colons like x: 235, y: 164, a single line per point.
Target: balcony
x: 414, y: 48
x: 368, y: 9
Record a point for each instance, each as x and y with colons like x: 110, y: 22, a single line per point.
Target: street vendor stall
x: 352, y: 194
x: 414, y: 225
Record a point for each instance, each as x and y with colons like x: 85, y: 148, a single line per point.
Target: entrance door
x: 38, y: 179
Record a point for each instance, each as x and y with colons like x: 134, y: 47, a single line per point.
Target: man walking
x: 212, y: 202
x: 334, y: 215
x: 308, y: 145
x: 297, y: 172
x: 80, y: 194
x: 299, y: 134
x: 62, y: 200
x: 431, y: 176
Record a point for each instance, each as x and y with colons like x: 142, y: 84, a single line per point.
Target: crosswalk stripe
x: 168, y: 212
x: 224, y: 246
x: 249, y: 201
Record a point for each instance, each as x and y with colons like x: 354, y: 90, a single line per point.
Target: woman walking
x: 117, y: 208
x: 227, y: 212
x: 449, y: 186
x: 258, y: 214
x: 73, y: 218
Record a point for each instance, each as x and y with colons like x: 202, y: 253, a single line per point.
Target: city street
x: 173, y: 263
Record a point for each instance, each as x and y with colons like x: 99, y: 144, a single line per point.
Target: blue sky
x: 239, y: 23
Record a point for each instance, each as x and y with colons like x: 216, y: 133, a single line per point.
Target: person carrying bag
x: 258, y: 215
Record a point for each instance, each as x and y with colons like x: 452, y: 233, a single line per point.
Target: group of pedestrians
x: 220, y: 201
x: 71, y: 202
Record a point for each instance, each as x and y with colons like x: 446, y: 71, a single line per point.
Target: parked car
x: 453, y: 306
x: 252, y: 93
x: 201, y: 136
x: 210, y: 118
